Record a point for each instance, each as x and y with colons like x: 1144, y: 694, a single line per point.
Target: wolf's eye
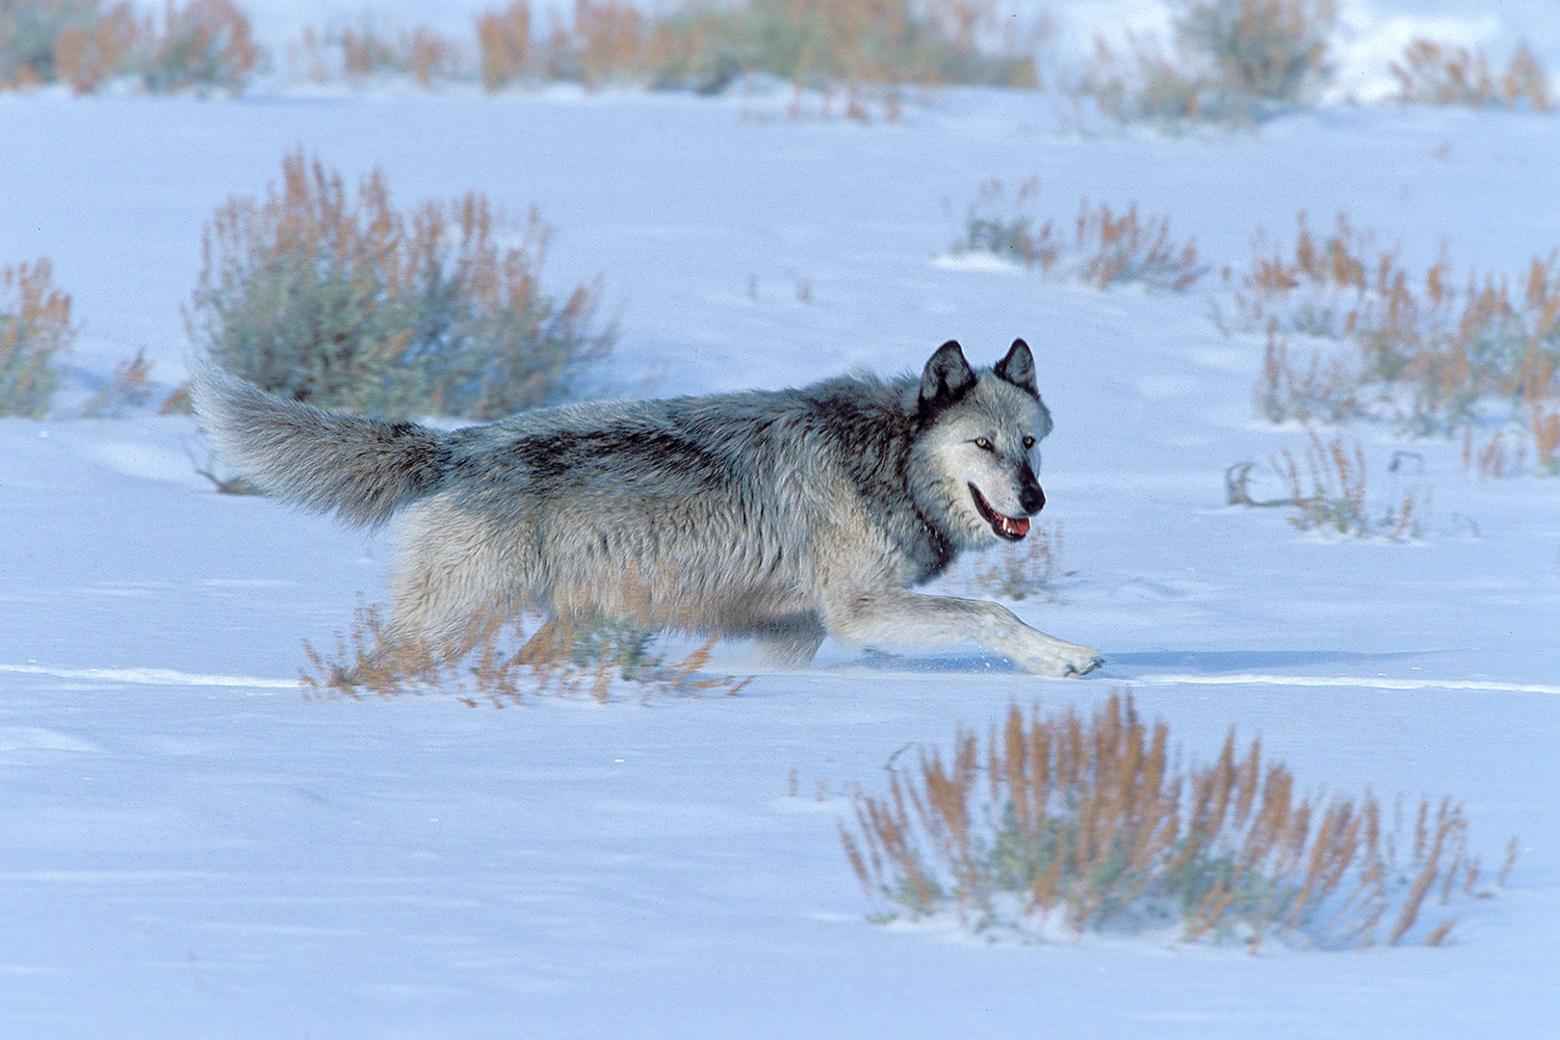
x: 1029, y: 442
x: 982, y: 443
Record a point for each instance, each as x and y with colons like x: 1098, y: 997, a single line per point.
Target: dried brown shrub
x: 504, y: 43
x: 1435, y: 73
x: 1425, y: 351
x: 35, y: 335
x: 1322, y: 390
x: 1329, y: 494
x: 1103, y: 246
x: 507, y: 661
x: 86, y: 55
x: 372, y: 48
x: 129, y: 386
x: 1089, y: 824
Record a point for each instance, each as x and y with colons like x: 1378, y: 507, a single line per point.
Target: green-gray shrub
x: 349, y: 303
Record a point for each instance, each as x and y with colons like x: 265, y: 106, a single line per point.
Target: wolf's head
x: 976, y: 451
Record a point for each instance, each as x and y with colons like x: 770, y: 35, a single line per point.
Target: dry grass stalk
x: 1435, y: 73
x: 1334, y: 497
x: 371, y: 49
x: 503, y: 662
x: 1105, y: 247
x: 35, y: 335
x: 1030, y: 569
x: 1425, y: 352
x: 1319, y: 392
x: 129, y: 387
x: 1087, y: 824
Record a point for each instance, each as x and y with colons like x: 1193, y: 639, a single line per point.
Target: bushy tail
x: 361, y: 469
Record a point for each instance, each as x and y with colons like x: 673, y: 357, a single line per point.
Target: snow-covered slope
x: 192, y: 849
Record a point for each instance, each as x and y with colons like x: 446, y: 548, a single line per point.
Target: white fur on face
x: 952, y: 461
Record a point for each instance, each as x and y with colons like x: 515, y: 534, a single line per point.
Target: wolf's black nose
x: 1032, y: 499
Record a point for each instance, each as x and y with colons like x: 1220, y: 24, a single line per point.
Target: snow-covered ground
x: 192, y: 849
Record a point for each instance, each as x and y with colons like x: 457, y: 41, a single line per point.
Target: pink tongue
x: 1019, y: 525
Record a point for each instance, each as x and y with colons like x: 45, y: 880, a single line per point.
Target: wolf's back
x: 360, y: 469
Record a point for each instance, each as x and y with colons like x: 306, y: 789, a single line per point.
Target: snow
x: 193, y: 849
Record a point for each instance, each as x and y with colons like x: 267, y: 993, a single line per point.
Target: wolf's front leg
x: 897, y: 616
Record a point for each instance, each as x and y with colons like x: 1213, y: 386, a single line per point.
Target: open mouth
x: 1012, y: 528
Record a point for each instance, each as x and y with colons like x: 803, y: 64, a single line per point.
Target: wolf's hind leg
x: 447, y: 590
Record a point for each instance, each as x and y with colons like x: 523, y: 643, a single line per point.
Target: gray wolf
x: 781, y: 515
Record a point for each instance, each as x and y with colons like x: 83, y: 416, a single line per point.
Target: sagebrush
x: 370, y: 48
x: 197, y: 44
x: 1230, y: 61
x: 512, y: 658
x: 705, y: 45
x: 1103, y: 245
x: 345, y: 301
x: 1059, y: 824
x: 36, y: 332
x: 1431, y: 352
x: 1329, y: 494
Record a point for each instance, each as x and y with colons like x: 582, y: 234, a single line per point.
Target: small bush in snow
x: 1028, y: 570
x: 1432, y: 73
x: 1329, y: 494
x: 1059, y: 824
x: 1320, y: 391
x: 350, y: 303
x: 199, y: 44
x: 35, y: 334
x: 371, y: 50
x: 1103, y: 246
x: 504, y: 44
x: 81, y: 42
x: 508, y: 661
x: 1417, y: 349
x: 1231, y: 61
x: 130, y: 386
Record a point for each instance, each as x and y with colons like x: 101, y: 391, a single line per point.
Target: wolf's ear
x: 1018, y: 368
x: 947, y: 376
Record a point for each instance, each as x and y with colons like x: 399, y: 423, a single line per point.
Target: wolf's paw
x: 1062, y: 661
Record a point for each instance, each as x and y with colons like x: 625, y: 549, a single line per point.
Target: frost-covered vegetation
x: 344, y: 301
x: 36, y: 332
x: 1058, y: 824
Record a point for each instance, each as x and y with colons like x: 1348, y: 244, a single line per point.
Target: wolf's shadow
x: 1122, y: 665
